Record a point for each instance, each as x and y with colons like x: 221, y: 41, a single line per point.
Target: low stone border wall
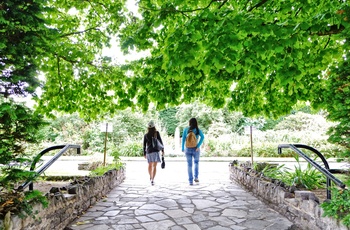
x: 300, y: 207
x: 65, y: 206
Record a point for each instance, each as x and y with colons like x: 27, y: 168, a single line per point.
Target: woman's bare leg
x: 150, y: 170
x: 154, y: 170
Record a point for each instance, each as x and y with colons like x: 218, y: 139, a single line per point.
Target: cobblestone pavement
x: 214, y: 203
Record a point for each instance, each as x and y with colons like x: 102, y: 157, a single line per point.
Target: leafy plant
x: 31, y: 197
x: 309, y: 178
x: 339, y: 206
x: 21, y: 202
x: 99, y: 171
x: 273, y: 171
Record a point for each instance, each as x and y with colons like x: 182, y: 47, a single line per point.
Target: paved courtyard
x: 214, y: 203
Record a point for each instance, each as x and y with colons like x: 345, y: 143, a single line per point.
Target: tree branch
x: 172, y: 9
x: 258, y: 5
x: 83, y: 31
x: 298, y: 11
x: 99, y: 3
x: 329, y: 38
x: 222, y: 4
x: 59, y: 73
x: 58, y: 66
x: 333, y: 30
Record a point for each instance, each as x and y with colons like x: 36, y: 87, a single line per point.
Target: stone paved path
x: 215, y: 203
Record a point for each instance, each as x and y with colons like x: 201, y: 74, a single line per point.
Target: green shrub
x: 100, y: 170
x: 18, y: 126
x: 303, y: 122
x: 244, y: 152
x: 31, y: 197
x: 127, y: 149
x: 339, y: 206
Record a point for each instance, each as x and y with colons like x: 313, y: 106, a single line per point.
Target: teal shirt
x: 199, y: 137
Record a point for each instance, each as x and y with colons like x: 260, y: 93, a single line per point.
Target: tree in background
x: 235, y: 120
x: 204, y: 114
x: 168, y: 118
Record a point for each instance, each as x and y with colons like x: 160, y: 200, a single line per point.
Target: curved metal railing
x: 326, y: 170
x: 42, y: 169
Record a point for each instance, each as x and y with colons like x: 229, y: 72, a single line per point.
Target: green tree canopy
x: 259, y: 57
x: 337, y: 102
x: 24, y: 38
x: 63, y: 41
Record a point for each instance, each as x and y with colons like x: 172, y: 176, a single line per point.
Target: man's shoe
x: 196, y: 180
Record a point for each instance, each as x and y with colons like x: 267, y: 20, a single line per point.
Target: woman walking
x: 191, y: 146
x: 150, y: 153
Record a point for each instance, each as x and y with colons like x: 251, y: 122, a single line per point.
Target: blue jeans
x: 192, y: 156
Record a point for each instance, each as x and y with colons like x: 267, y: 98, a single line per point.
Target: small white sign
x: 106, y: 127
x: 247, y: 129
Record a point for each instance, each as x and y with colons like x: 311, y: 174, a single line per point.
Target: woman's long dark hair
x: 151, y: 132
x: 193, y: 124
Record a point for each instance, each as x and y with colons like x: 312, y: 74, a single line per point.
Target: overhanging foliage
x: 259, y: 57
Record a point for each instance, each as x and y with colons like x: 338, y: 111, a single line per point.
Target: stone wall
x: 65, y: 206
x: 300, y: 207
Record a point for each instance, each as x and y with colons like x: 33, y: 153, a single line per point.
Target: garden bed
x: 66, y: 202
x: 300, y: 207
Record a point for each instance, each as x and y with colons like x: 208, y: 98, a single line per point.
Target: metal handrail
x: 42, y: 169
x: 324, y: 171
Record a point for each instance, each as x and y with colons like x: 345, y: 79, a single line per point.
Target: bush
x: 338, y: 207
x: 303, y: 122
x: 127, y: 149
x: 19, y: 126
x: 100, y: 170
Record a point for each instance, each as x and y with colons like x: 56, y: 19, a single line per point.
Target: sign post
x: 251, y: 143
x: 249, y: 130
x: 107, y: 128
